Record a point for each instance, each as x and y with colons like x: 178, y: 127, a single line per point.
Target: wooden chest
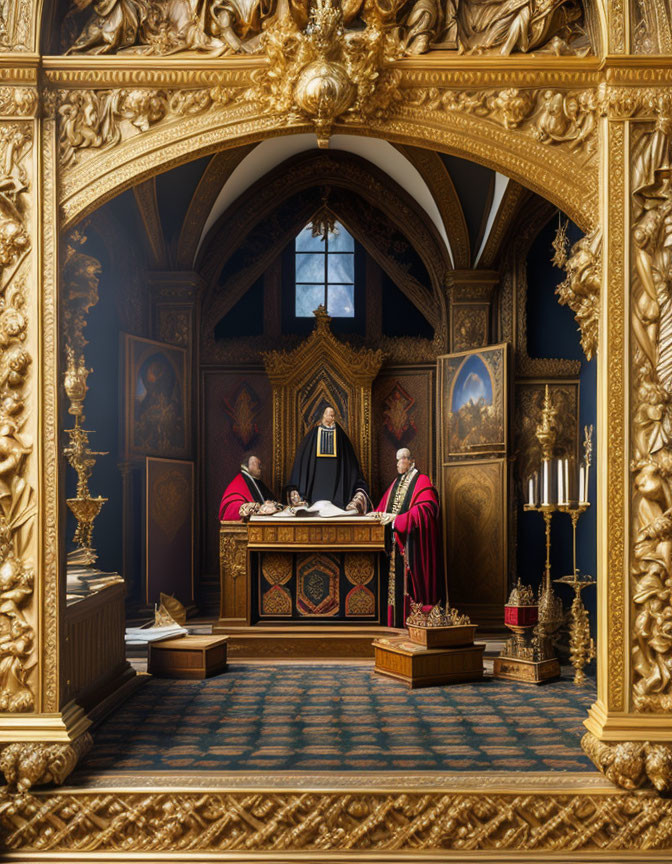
x: 442, y: 637
x: 418, y: 666
x: 188, y: 657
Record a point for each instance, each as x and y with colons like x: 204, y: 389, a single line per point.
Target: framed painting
x: 169, y: 529
x: 474, y: 397
x: 155, y: 399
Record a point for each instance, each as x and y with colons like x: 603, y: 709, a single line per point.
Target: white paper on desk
x: 322, y: 509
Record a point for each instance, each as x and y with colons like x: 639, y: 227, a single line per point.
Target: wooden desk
x: 358, y: 541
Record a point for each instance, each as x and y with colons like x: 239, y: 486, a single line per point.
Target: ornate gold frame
x: 450, y: 103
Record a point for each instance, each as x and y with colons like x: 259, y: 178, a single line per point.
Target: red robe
x: 237, y: 493
x: 417, y: 535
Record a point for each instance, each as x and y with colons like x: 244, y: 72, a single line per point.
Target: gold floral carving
x: 631, y: 764
x: 18, y: 101
x: 319, y: 822
x: 580, y: 290
x: 470, y: 327
x: 548, y: 116
x: 652, y: 415
x: 233, y: 554
x: 17, y: 503
x: 33, y: 764
x: 96, y: 118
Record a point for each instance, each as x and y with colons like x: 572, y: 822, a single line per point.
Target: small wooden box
x: 442, y: 637
x: 418, y: 666
x: 188, y: 657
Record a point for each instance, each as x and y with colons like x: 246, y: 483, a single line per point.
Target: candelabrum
x: 84, y: 507
x: 546, y: 503
x: 581, y: 645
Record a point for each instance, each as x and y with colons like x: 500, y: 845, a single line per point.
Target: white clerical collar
x: 408, y: 475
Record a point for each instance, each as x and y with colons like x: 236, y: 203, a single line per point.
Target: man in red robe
x: 411, y: 505
x: 247, y: 494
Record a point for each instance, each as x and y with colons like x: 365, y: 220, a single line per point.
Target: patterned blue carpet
x: 342, y: 718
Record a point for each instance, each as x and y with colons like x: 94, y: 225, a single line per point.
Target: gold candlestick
x: 82, y: 458
x: 581, y: 644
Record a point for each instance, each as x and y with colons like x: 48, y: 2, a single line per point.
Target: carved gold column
x: 43, y: 736
x: 630, y: 725
x: 471, y: 293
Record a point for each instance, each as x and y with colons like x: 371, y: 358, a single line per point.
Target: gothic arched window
x: 325, y: 272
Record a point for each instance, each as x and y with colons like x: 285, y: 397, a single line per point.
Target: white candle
x: 582, y: 484
x: 566, y: 484
x: 546, y: 482
x: 561, y: 482
x: 530, y: 492
x: 584, y: 497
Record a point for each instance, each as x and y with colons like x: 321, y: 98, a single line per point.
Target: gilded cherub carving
x: 236, y: 26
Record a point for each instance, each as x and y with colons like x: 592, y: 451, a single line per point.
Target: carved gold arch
x: 495, y: 111
x: 468, y: 117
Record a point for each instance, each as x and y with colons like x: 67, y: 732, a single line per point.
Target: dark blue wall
x: 102, y: 407
x: 553, y: 332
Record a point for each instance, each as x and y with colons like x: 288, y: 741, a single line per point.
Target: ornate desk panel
x: 316, y: 570
x: 349, y: 533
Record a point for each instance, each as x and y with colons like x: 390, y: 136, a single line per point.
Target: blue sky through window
x: 325, y: 273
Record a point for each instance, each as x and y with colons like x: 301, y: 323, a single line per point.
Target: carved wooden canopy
x: 321, y: 371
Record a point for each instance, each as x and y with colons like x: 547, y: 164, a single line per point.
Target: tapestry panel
x: 169, y: 529
x: 304, y: 586
x: 236, y: 418
x: 527, y: 416
x: 317, y: 584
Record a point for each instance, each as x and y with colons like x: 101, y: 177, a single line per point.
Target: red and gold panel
x: 360, y: 602
x: 403, y: 416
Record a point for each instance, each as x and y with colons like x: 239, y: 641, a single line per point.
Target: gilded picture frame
x: 474, y: 387
x: 155, y: 399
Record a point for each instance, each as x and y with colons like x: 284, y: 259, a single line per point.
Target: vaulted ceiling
x: 470, y: 209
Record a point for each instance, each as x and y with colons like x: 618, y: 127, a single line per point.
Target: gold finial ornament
x: 547, y: 430
x: 324, y: 72
x: 560, y: 243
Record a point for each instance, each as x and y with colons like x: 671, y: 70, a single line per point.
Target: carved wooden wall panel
x: 475, y: 515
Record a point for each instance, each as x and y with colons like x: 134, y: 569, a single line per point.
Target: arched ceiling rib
x: 272, y: 152
x: 435, y: 174
x: 501, y: 183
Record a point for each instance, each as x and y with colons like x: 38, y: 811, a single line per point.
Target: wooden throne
x: 321, y: 371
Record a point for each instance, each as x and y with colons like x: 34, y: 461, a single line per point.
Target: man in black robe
x: 326, y: 469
